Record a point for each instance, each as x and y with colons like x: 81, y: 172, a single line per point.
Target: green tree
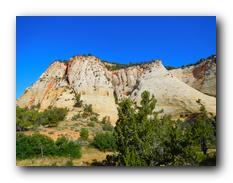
x: 36, y: 145
x: 203, y: 129
x: 135, y: 131
x: 41, y: 146
x: 146, y: 139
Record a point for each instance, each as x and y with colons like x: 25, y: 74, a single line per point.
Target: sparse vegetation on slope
x: 84, y: 133
x: 108, y: 127
x: 141, y: 137
x: 78, y: 102
x: 32, y: 118
x: 51, y: 117
x: 112, y: 66
x: 39, y: 145
x: 212, y: 57
x: 105, y: 141
x: 170, y: 67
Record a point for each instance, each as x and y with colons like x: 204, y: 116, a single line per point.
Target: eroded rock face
x: 201, y: 76
x: 125, y: 81
x: 88, y: 76
x: 52, y: 89
x: 102, y: 87
x: 173, y: 96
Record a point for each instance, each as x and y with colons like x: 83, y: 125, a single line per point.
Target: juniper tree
x: 146, y: 139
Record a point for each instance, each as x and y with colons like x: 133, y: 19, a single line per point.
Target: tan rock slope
x: 58, y: 86
x: 88, y: 76
x: 200, y: 76
x: 173, y: 96
x: 52, y: 89
x: 102, y: 87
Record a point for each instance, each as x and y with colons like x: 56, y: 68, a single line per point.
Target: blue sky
x: 175, y: 40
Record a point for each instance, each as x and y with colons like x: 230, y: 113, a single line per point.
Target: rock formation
x: 52, y: 89
x: 176, y: 91
x: 200, y: 76
x: 173, y: 96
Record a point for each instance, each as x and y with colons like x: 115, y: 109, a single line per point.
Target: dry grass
x: 54, y: 134
x: 68, y: 128
x: 71, y: 130
x: 89, y: 155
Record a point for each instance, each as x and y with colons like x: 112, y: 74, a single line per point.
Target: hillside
x: 201, y: 76
x: 176, y: 90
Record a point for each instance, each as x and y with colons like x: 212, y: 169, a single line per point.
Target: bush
x: 116, y: 66
x: 104, y: 141
x: 68, y: 148
x: 75, y: 117
x: 78, y: 102
x: 88, y: 108
x: 108, y: 127
x: 39, y: 145
x: 34, y: 146
x: 91, y: 124
x: 31, y: 118
x: 87, y: 111
x: 51, y: 117
x: 94, y: 119
x: 105, y: 120
x: 26, y: 119
x: 84, y: 133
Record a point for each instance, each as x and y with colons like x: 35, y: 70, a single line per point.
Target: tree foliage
x: 39, y: 145
x: 30, y: 118
x: 52, y: 116
x: 116, y: 66
x: 84, y: 133
x: 145, y: 139
x: 67, y: 147
x: 203, y: 129
x: 107, y: 127
x: 26, y: 118
x: 104, y: 141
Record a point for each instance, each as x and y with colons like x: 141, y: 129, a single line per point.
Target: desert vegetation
x: 145, y: 139
x: 141, y: 137
x: 84, y: 133
x: 32, y: 118
x: 112, y: 66
x: 105, y: 141
x: 39, y: 145
x: 78, y: 102
x: 212, y: 57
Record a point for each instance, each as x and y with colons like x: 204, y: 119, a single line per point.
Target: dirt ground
x: 67, y: 128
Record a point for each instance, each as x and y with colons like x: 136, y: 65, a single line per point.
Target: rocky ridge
x: 201, y: 76
x: 175, y: 90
